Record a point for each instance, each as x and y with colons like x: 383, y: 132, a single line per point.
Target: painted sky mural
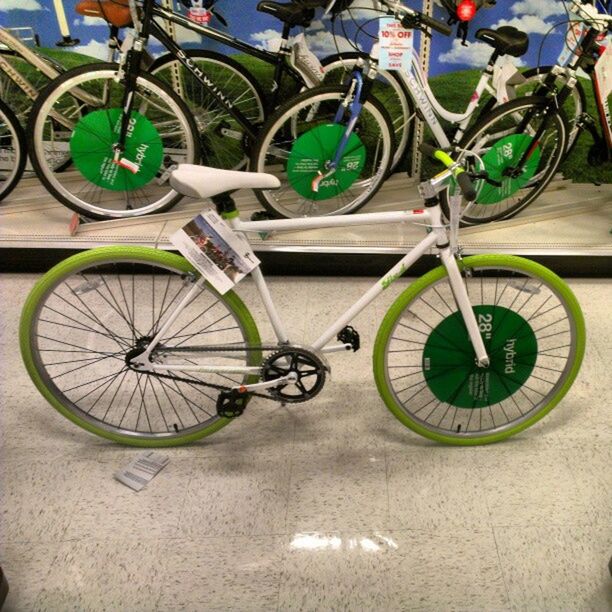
x: 536, y: 17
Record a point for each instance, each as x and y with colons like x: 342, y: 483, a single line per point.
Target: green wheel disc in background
x: 449, y: 362
x: 91, y: 148
x: 312, y: 150
x: 504, y: 154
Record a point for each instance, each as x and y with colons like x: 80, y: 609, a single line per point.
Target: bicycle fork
x: 459, y: 289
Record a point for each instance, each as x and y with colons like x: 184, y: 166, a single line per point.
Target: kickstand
x: 76, y: 221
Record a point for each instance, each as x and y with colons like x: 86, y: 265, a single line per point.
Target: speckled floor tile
x: 104, y: 575
x: 346, y: 489
x: 445, y: 569
x: 436, y: 487
x: 26, y: 567
x: 152, y: 512
x: 335, y: 571
x: 591, y: 466
x: 529, y: 487
x: 549, y: 568
x: 37, y: 499
x: 239, y: 495
x: 219, y: 574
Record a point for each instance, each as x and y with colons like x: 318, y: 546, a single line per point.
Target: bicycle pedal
x: 349, y: 335
x: 231, y: 404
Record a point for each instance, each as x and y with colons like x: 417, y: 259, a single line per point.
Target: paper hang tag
x: 395, y: 44
x: 603, y: 72
x: 504, y: 78
x: 222, y: 256
x: 306, y: 62
x: 139, y: 472
x: 571, y: 44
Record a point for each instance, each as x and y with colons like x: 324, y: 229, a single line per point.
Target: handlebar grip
x: 434, y: 24
x: 465, y: 184
x: 461, y: 176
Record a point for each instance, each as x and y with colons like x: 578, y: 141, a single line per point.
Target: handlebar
x: 430, y: 22
x: 590, y: 14
x: 461, y: 176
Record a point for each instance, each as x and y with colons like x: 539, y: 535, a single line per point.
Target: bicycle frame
x: 431, y: 109
x: 438, y: 238
x: 276, y: 59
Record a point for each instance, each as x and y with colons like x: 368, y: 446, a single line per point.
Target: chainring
x: 309, y: 369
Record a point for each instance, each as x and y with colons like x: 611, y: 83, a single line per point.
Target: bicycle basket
x: 116, y: 12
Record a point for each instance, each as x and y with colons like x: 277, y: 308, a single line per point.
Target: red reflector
x: 418, y: 211
x: 466, y: 10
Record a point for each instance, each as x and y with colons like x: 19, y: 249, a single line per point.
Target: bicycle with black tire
x: 515, y: 167
x: 142, y: 128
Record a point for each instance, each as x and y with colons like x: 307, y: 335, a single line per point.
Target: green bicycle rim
x: 406, y: 297
x: 141, y: 254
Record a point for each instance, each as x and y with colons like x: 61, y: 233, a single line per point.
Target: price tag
x: 222, y: 256
x: 571, y: 46
x: 198, y: 14
x: 395, y: 43
x: 138, y: 473
x: 603, y: 72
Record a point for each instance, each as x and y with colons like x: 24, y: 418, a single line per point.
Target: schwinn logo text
x: 422, y: 100
x: 181, y: 55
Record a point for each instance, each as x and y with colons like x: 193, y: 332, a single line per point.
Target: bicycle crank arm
x: 282, y: 380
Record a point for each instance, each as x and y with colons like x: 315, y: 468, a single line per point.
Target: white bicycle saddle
x: 204, y: 182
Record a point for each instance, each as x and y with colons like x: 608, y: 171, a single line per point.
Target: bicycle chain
x: 212, y: 385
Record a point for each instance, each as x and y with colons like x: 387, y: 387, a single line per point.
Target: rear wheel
x: 424, y: 362
x: 84, y: 319
x: 300, y: 140
x: 519, y: 164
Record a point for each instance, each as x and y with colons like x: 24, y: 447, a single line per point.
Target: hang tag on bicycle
x: 223, y: 256
x: 198, y: 14
x: 395, y: 44
x: 603, y: 73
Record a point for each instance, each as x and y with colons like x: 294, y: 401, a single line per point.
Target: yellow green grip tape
x: 448, y: 161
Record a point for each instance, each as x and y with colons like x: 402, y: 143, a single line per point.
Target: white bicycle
x: 132, y: 344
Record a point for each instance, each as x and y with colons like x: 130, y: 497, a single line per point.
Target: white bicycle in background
x: 132, y: 343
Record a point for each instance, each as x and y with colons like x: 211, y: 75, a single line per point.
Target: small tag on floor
x: 141, y: 470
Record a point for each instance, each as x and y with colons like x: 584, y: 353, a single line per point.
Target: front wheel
x: 86, y: 318
x: 79, y: 115
x: 300, y: 141
x: 424, y: 363
x: 520, y: 145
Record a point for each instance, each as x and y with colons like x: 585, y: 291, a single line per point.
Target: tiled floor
x: 330, y: 505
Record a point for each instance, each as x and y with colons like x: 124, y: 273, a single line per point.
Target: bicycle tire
x: 73, y: 285
x: 17, y: 143
x: 424, y: 328
x: 578, y: 97
x: 89, y: 198
x: 397, y: 101
x: 246, y: 95
x: 491, y: 203
x: 371, y: 148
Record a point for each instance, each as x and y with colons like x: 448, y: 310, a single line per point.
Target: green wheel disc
x: 503, y: 155
x: 91, y: 148
x: 312, y: 150
x: 449, y: 362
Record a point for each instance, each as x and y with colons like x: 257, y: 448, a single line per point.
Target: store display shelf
x: 568, y: 220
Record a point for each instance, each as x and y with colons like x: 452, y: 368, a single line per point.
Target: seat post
x: 225, y: 205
